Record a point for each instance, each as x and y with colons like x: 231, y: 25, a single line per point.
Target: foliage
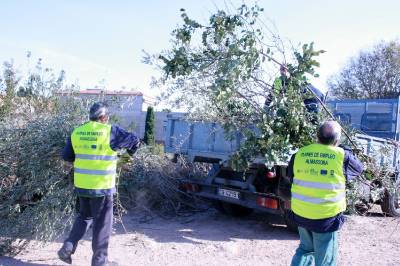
x: 377, y: 180
x: 33, y: 186
x: 8, y: 86
x: 222, y: 71
x: 36, y: 199
x: 151, y: 183
x: 149, y: 129
x: 373, y: 74
x: 36, y: 191
x: 31, y: 94
x: 41, y: 82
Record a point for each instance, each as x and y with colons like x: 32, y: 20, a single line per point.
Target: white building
x: 127, y: 109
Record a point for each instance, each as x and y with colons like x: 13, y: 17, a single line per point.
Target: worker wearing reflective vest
x: 93, y: 148
x: 281, y: 86
x: 318, y: 195
x: 95, y: 164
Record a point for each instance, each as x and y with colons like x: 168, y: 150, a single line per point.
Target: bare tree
x: 373, y: 74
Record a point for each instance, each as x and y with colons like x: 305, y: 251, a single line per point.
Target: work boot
x: 65, y: 255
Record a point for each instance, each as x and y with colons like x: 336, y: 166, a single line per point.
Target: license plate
x: 228, y: 193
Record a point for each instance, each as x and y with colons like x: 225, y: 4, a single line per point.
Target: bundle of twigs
x: 152, y: 183
x: 35, y: 190
x: 36, y: 199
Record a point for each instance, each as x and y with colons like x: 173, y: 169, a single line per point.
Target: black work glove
x: 132, y: 150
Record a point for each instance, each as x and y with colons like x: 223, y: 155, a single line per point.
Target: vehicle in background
x: 266, y: 189
x: 375, y: 117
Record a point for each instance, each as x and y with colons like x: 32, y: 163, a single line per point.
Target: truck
x: 238, y: 193
x: 375, y: 117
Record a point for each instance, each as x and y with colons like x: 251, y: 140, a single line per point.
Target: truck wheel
x: 391, y: 203
x: 362, y: 207
x: 233, y: 209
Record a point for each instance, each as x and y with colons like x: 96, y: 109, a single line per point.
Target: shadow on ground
x: 15, y: 262
x: 207, y: 226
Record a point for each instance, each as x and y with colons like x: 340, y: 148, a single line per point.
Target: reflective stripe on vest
x: 318, y: 185
x: 95, y: 172
x: 95, y: 162
x: 338, y: 198
x: 96, y: 157
x: 318, y: 188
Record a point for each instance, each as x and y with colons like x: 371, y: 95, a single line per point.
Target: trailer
x: 260, y: 188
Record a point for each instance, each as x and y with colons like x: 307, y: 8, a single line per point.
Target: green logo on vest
x: 316, y: 161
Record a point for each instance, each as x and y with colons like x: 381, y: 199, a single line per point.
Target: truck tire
x: 232, y: 209
x: 391, y: 203
x: 362, y: 207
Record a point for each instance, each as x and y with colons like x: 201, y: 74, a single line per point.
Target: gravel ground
x: 210, y: 238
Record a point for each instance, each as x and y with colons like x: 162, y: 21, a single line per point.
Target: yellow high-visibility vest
x: 278, y: 86
x: 95, y: 164
x: 319, y: 185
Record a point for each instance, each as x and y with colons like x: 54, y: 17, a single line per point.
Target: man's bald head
x: 329, y: 133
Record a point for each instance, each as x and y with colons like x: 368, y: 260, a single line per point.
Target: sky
x: 101, y: 42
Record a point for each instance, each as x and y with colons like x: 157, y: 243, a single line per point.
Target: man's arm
x: 275, y: 89
x: 290, y: 171
x: 68, y: 153
x: 352, y: 166
x: 121, y: 139
x: 268, y: 100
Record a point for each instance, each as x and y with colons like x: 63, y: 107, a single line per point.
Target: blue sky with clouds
x: 95, y: 40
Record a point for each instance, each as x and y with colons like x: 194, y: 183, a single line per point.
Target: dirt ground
x: 210, y: 238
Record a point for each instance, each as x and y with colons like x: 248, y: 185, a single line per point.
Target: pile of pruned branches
x: 36, y: 199
x: 374, y: 186
x: 36, y: 187
x: 153, y: 183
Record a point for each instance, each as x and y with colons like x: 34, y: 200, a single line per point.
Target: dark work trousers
x: 96, y: 211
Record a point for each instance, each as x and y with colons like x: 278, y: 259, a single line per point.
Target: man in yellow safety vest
x: 319, y: 173
x: 93, y: 148
x: 280, y: 84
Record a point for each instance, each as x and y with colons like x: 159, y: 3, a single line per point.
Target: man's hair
x: 329, y: 133
x: 97, y: 111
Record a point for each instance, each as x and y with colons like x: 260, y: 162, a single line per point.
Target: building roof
x: 146, y: 98
x: 100, y: 91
